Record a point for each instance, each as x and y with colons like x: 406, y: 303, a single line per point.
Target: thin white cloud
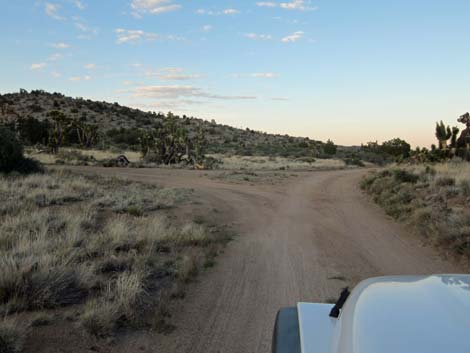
x: 177, y: 92
x: 266, y: 4
x: 229, y: 11
x: 154, y: 7
x: 60, y: 45
x: 279, y: 98
x: 88, y: 31
x: 207, y: 28
x: 134, y: 36
x: 38, y: 66
x: 55, y: 57
x: 80, y: 78
x: 299, y: 5
x: 173, y: 74
x: 169, y: 105
x: 256, y: 36
x: 56, y: 74
x: 79, y: 5
x: 90, y: 66
x: 294, y: 37
x: 264, y: 75
x: 52, y: 10
x: 256, y: 75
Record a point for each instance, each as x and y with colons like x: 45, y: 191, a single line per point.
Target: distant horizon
x: 349, y: 72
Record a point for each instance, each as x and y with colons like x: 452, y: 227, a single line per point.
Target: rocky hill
x: 121, y: 126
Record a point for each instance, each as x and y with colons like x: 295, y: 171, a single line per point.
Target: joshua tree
x: 147, y: 143
x: 60, y: 124
x: 443, y: 134
x: 87, y: 134
x: 465, y: 119
x: 453, y: 140
x: 464, y: 139
x: 200, y: 144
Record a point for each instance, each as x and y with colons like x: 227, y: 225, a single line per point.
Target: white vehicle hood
x: 403, y: 314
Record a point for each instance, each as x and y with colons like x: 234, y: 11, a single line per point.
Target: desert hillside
x: 122, y: 126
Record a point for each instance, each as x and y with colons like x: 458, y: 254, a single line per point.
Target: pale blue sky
x: 352, y: 71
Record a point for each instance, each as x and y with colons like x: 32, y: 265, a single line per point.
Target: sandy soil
x: 300, y: 240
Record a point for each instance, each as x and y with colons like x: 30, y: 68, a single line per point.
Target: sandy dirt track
x: 302, y: 240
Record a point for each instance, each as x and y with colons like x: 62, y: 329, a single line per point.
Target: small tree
x: 330, y: 148
x: 396, y: 147
x: 33, y: 131
x: 11, y: 150
x: 11, y: 154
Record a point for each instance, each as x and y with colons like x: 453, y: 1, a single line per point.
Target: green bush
x: 403, y: 176
x: 11, y: 150
x: 11, y: 155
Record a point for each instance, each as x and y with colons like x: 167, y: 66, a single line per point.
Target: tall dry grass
x: 67, y: 239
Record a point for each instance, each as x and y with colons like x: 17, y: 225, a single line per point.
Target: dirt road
x: 299, y: 241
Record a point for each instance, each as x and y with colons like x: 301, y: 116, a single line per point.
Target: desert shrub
x: 100, y: 317
x: 128, y: 294
x: 11, y: 150
x: 186, y: 268
x: 368, y: 180
x: 445, y: 181
x: 430, y: 170
x: 54, y: 288
x: 465, y: 187
x: 423, y: 219
x: 12, y: 335
x: 404, y: 176
x: 190, y: 235
x: 11, y: 155
x: 354, y: 161
x: 430, y: 207
x: 41, y: 319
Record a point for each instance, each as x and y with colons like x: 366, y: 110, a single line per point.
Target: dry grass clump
x: 277, y: 163
x: 12, y: 335
x: 74, y: 156
x: 81, y: 245
x: 141, y: 198
x: 432, y: 199
x: 247, y: 176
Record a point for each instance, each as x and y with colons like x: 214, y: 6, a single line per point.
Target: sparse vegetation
x: 67, y: 239
x: 276, y: 163
x: 432, y: 200
x: 54, y: 121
